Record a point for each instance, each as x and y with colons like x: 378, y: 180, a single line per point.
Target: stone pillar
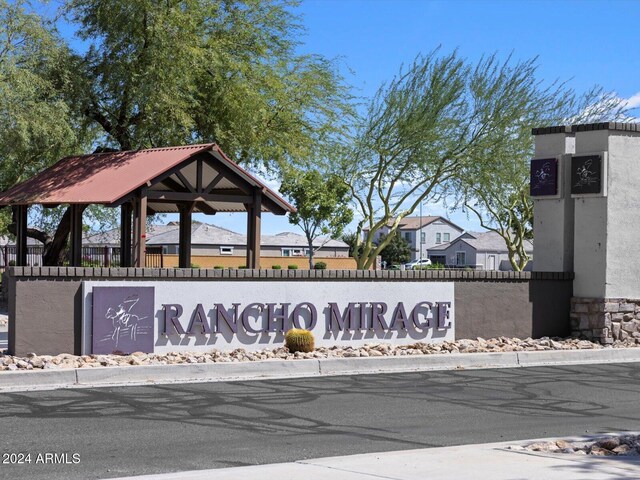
x: 553, y: 212
x: 606, y: 290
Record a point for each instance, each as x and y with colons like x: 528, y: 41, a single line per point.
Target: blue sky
x: 584, y: 42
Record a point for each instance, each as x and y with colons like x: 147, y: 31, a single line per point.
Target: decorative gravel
x: 501, y: 344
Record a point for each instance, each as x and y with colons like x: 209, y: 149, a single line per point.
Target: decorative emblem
x: 544, y: 177
x: 586, y: 174
x: 123, y: 319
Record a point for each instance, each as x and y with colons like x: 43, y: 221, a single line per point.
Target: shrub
x: 433, y: 266
x: 436, y: 266
x: 276, y: 267
x: 292, y: 267
x: 320, y: 266
x: 195, y: 265
x: 218, y: 267
x: 242, y: 266
x: 299, y: 340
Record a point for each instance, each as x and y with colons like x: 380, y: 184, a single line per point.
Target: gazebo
x: 184, y: 180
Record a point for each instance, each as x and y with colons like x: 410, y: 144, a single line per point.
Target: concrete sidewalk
x: 467, y: 462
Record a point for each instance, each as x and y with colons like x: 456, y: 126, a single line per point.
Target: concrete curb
x: 344, y: 366
x: 37, y: 378
x: 569, y: 357
x: 272, y: 369
x: 197, y: 372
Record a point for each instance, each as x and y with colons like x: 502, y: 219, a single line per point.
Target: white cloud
x: 633, y: 101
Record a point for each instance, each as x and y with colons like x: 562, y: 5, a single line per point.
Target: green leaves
x: 397, y: 250
x: 157, y: 73
x: 36, y: 126
x: 165, y: 73
x: 321, y: 201
x: 445, y: 128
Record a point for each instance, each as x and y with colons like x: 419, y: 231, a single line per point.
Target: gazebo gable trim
x: 185, y: 191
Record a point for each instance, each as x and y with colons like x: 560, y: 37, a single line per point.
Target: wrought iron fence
x: 91, y: 257
x: 8, y: 256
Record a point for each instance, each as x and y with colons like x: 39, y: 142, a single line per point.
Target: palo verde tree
x: 154, y: 74
x: 496, y: 186
x: 423, y: 130
x: 322, y: 204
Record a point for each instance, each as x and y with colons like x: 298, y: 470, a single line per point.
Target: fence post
x: 106, y: 256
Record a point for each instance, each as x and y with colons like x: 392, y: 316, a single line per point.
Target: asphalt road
x: 140, y: 430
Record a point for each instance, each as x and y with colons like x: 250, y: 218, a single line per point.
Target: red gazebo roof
x: 106, y: 178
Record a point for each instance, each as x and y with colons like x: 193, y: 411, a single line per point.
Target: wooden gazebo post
x: 140, y: 230
x: 21, y: 235
x: 125, y: 234
x: 75, y: 235
x: 254, y: 220
x: 184, y: 250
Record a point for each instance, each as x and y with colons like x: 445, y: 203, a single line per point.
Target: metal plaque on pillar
x: 588, y: 175
x: 545, y: 178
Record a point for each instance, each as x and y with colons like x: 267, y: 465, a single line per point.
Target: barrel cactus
x: 299, y: 340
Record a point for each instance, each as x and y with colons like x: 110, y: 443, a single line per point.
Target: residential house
x: 480, y: 250
x: 211, y: 240
x: 210, y: 246
x: 423, y: 233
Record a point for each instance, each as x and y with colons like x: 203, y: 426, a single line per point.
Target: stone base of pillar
x: 605, y: 320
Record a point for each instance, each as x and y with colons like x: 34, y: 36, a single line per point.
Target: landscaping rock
x: 500, y: 344
x: 607, y: 446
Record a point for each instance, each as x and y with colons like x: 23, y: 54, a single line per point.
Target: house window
x: 446, y: 237
x: 423, y: 237
x: 292, y: 252
x: 407, y: 236
x: 461, y: 258
x: 226, y: 250
x: 438, y: 238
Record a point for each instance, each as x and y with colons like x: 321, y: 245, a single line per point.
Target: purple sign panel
x: 122, y: 320
x: 544, y: 177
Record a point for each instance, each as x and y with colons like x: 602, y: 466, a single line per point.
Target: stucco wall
x: 45, y: 305
x: 553, y: 219
x: 623, y: 256
x: 535, y: 308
